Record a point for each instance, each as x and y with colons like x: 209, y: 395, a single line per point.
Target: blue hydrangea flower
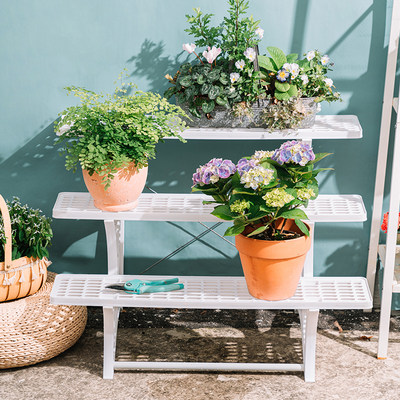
x: 294, y: 151
x: 213, y: 171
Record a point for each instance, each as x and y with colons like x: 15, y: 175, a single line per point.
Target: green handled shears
x: 139, y: 286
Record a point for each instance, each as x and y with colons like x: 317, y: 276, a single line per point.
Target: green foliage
x: 106, y: 132
x: 31, y: 231
x: 236, y: 34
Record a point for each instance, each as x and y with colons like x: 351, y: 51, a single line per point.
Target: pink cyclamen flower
x: 211, y: 54
x: 189, y: 47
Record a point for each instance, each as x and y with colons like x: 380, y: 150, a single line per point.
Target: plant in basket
x: 262, y: 195
x: 295, y: 87
x: 221, y: 78
x: 25, y: 234
x: 112, y: 137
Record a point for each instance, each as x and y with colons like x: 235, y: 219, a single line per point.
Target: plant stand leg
x: 110, y: 317
x: 115, y: 246
x: 309, y: 322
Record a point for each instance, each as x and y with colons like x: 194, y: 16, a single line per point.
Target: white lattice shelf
x: 325, y: 127
x: 189, y: 207
x: 207, y: 292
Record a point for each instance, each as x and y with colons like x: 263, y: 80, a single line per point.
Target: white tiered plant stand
x: 313, y: 293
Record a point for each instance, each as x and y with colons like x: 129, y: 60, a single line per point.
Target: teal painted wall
x: 49, y: 44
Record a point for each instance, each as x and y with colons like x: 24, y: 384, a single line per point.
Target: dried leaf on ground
x: 337, y: 325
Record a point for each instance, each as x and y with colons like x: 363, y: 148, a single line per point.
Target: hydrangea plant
x: 30, y: 229
x: 258, y: 190
x: 223, y: 73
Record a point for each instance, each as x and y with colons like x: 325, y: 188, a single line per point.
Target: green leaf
x: 185, y: 81
x: 282, y: 86
x: 170, y: 92
x: 208, y: 106
x: 223, y: 212
x: 302, y: 226
x: 292, y: 92
x: 224, y: 78
x: 185, y: 68
x: 201, y: 79
x: 214, y: 92
x: 294, y: 214
x: 266, y: 63
x: 234, y: 230
x: 292, y: 57
x: 222, y: 101
x: 194, y: 111
x: 205, y: 88
x: 257, y: 231
x: 278, y: 56
x: 283, y: 96
x: 213, y: 75
x: 319, y: 157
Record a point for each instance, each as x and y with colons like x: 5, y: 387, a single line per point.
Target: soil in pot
x: 123, y: 192
x: 272, y: 268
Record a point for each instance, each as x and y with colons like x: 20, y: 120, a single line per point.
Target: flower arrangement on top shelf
x: 295, y: 87
x: 225, y: 87
x: 223, y: 81
x: 262, y: 194
x: 384, y: 225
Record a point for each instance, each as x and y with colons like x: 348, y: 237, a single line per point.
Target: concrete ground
x: 346, y: 364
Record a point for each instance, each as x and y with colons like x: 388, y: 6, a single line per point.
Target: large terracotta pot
x: 123, y: 192
x: 273, y: 268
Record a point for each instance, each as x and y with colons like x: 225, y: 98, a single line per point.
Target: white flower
x: 260, y: 32
x: 328, y: 82
x: 250, y: 53
x: 310, y: 55
x: 240, y: 64
x: 189, y: 47
x: 294, y: 69
x: 65, y: 128
x: 211, y: 54
x: 286, y: 66
x: 234, y: 77
x: 304, y: 79
x: 325, y: 59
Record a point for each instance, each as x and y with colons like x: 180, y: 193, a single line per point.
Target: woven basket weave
x: 33, y: 330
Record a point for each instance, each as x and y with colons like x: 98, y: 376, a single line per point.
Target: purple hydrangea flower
x: 294, y: 151
x: 213, y: 171
x: 245, y: 165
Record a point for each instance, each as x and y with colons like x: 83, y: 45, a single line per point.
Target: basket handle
x: 7, y: 230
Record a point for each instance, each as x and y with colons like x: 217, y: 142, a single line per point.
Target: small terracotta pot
x: 273, y: 268
x: 123, y: 192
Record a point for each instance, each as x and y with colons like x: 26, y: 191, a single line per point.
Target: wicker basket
x: 33, y: 330
x: 21, y: 277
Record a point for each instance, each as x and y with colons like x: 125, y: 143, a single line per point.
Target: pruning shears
x: 139, y: 286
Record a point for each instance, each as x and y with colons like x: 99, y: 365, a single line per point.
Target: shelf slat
x: 325, y: 127
x: 205, y: 292
x: 189, y: 207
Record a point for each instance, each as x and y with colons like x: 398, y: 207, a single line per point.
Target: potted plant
x: 221, y: 82
x: 25, y: 234
x: 262, y: 194
x: 295, y: 87
x: 112, y: 137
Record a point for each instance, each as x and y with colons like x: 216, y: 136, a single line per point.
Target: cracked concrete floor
x: 346, y: 364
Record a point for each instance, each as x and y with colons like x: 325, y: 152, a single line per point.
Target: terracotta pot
x: 123, y: 192
x: 273, y: 268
